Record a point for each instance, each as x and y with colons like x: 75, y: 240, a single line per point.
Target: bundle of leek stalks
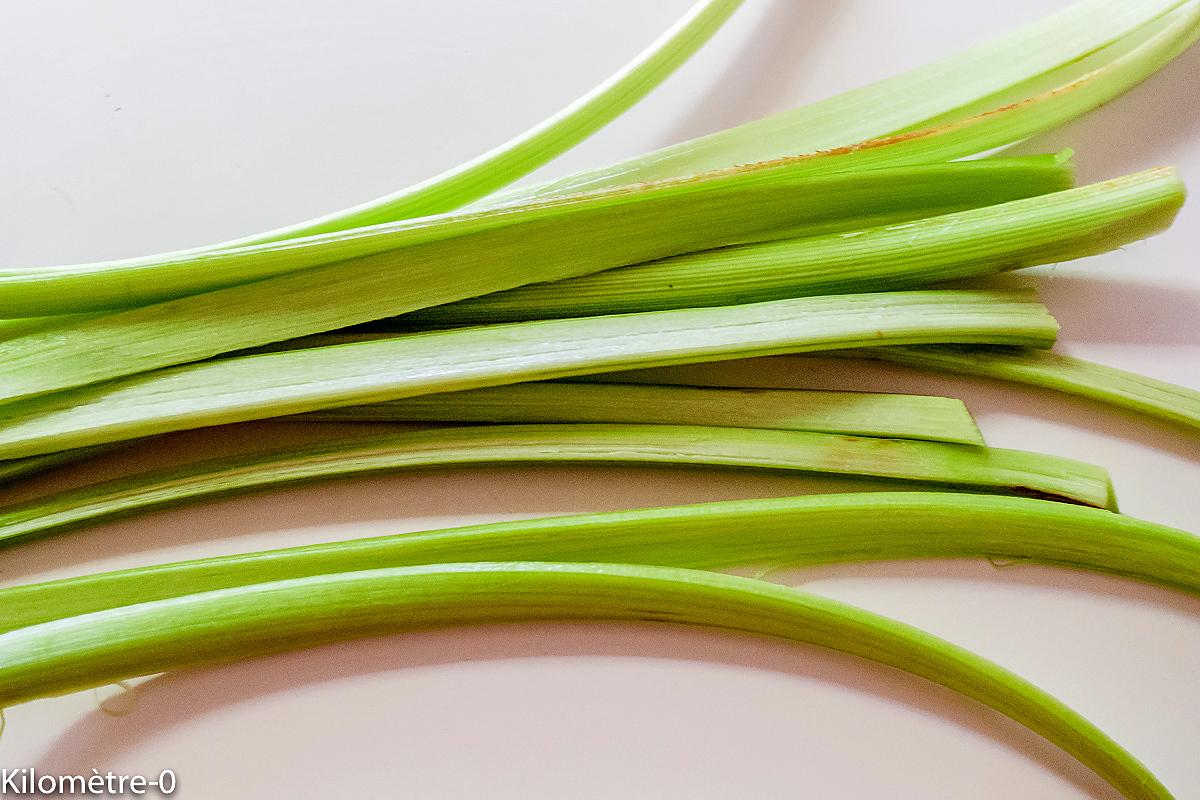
x: 495, y: 315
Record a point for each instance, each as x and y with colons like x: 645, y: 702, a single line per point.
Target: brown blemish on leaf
x: 845, y: 150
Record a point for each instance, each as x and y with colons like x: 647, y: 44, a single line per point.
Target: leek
x: 13, y: 328
x: 1115, y: 387
x: 22, y: 467
x: 996, y: 94
x: 890, y: 416
x: 290, y: 382
x: 752, y: 203
x: 935, y: 94
x: 1022, y: 233
x: 1016, y: 121
x: 968, y: 83
x: 108, y: 646
x: 775, y: 532
x: 960, y: 85
x: 520, y: 155
x: 533, y: 148
x: 976, y: 468
x: 557, y: 241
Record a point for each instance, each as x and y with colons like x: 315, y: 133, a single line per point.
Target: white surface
x: 131, y: 127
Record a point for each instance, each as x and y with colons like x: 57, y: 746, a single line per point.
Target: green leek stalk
x: 887, y: 416
x: 751, y: 203
x: 22, y: 467
x: 997, y: 94
x: 1022, y: 233
x: 975, y: 81
x: 1014, y: 122
x: 1115, y: 387
x: 976, y: 468
x: 533, y: 148
x: 778, y: 533
x: 247, y: 621
x: 967, y: 84
x: 13, y: 328
x: 548, y: 242
x: 290, y: 382
x: 518, y: 156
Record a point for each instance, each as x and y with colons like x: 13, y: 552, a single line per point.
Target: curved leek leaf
x: 96, y: 649
x: 21, y: 467
x: 1014, y: 122
x: 751, y: 203
x: 290, y: 382
x: 13, y: 328
x: 518, y: 156
x: 889, y: 416
x: 775, y: 532
x: 533, y: 148
x: 549, y: 243
x: 977, y: 468
x: 1114, y: 387
x: 969, y: 83
x: 1054, y: 52
x: 1022, y: 233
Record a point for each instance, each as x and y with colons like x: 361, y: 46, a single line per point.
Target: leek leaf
x: 772, y: 532
x: 956, y: 106
x: 489, y: 252
x: 533, y: 148
x: 519, y: 156
x: 108, y: 646
x: 1022, y: 233
x: 977, y: 468
x: 1115, y: 387
x: 891, y: 416
x: 290, y: 382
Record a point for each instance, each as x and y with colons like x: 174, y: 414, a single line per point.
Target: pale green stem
x: 22, y: 467
x: 754, y: 203
x: 291, y: 382
x: 1115, y: 387
x: 1054, y: 52
x: 1023, y: 233
x: 890, y: 416
x: 775, y: 532
x: 517, y: 157
x: 97, y: 649
x: 976, y: 468
x: 547, y: 243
